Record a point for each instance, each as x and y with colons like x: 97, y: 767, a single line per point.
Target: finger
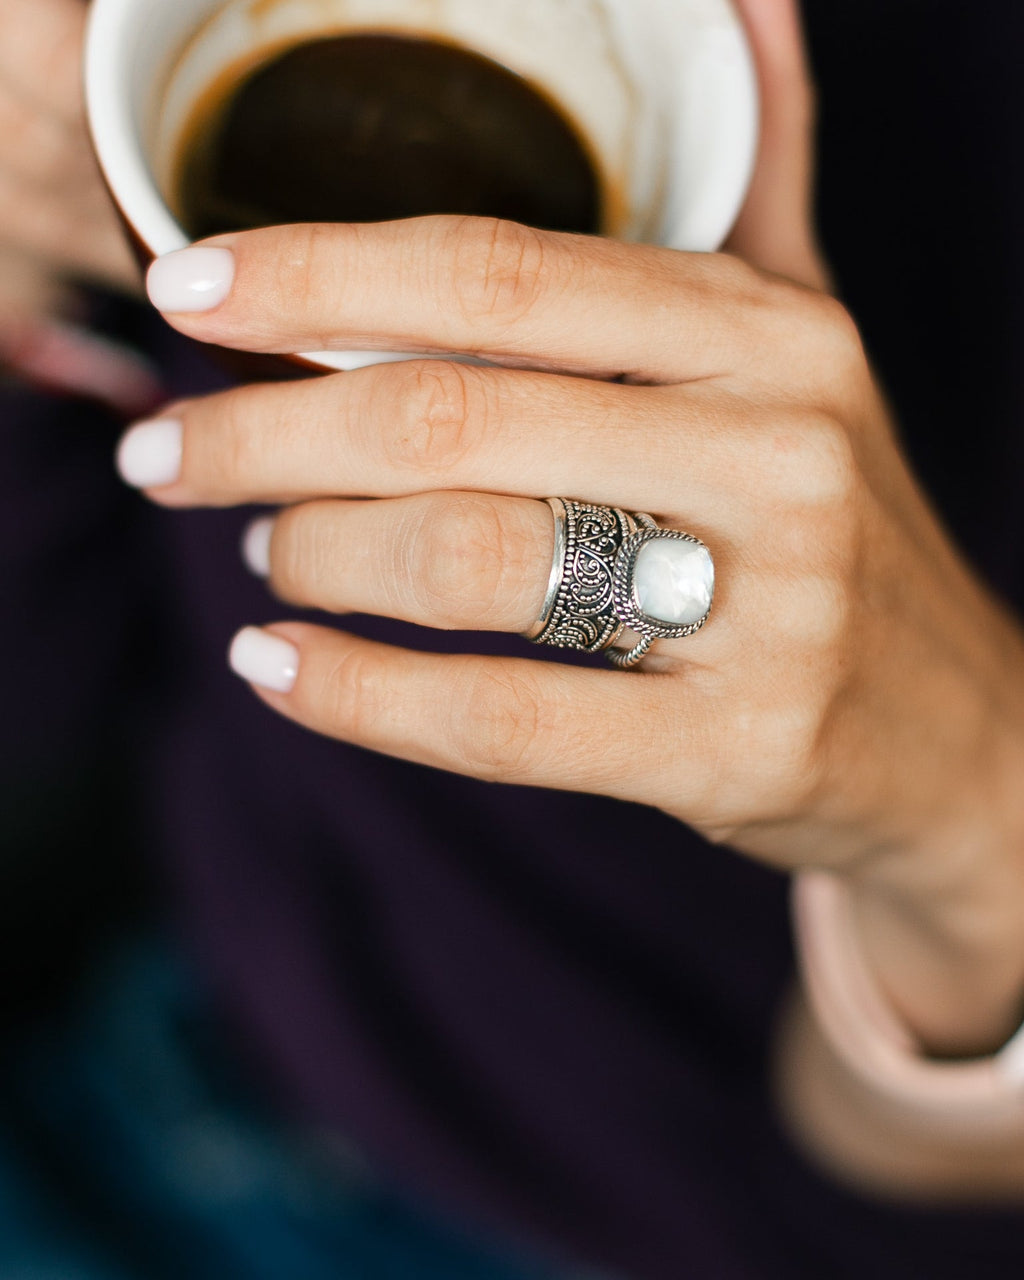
x: 469, y: 561
x: 775, y: 230
x: 482, y: 562
x: 503, y: 720
x: 450, y: 561
x: 41, y: 52
x: 494, y: 289
x: 429, y: 425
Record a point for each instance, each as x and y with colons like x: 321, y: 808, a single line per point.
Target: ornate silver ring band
x: 613, y: 570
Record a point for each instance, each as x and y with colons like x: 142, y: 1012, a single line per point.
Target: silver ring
x: 611, y: 570
x: 578, y: 611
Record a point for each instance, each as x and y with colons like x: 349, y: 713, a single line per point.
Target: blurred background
x: 138, y: 1141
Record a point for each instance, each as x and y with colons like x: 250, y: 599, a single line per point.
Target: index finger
x: 481, y: 286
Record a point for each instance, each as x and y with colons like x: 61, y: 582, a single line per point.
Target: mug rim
x: 129, y: 178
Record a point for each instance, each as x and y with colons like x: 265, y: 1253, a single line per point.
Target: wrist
x: 950, y: 962
x: 939, y: 916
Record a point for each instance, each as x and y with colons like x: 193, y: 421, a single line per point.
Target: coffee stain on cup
x: 503, y: 32
x: 367, y: 127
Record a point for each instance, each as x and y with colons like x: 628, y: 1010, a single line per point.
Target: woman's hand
x: 856, y: 700
x: 57, y: 224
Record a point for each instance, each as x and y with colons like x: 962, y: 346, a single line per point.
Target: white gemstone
x: 673, y: 581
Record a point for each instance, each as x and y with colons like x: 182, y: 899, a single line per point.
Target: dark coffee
x: 362, y: 128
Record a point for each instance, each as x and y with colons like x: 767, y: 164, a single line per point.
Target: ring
x: 612, y: 570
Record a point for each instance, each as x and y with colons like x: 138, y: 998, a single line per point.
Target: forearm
x: 913, y: 948
x: 952, y: 968
x: 938, y: 905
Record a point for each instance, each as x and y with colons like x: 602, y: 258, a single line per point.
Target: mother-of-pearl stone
x: 673, y: 581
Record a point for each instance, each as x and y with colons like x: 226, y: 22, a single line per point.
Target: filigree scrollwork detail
x: 580, y: 614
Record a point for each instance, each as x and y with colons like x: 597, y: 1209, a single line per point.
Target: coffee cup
x: 662, y: 91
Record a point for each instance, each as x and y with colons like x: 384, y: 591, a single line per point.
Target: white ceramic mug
x: 664, y: 91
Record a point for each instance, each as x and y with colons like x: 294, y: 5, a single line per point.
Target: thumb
x: 775, y: 229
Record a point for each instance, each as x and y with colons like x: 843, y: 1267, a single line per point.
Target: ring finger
x: 468, y: 561
x: 451, y: 561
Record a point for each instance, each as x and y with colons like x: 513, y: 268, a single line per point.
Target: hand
x: 57, y: 224
x: 856, y: 700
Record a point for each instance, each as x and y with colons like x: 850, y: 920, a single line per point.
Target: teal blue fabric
x: 128, y: 1152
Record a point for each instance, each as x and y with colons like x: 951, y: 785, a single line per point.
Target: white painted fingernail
x: 149, y: 454
x: 256, y: 545
x: 264, y: 659
x: 191, y: 279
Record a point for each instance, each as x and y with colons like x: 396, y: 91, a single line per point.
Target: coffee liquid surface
x: 363, y: 128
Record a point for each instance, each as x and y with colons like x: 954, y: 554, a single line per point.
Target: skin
x: 58, y: 229
x: 856, y: 701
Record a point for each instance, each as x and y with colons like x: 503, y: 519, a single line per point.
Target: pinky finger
x: 497, y: 719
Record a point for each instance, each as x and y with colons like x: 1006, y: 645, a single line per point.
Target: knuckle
x: 435, y: 419
x: 830, y: 342
x: 462, y: 551
x: 832, y: 462
x: 830, y: 612
x: 499, y: 270
x: 747, y: 304
x: 303, y: 555
x: 350, y: 698
x: 766, y: 782
x: 736, y: 278
x: 497, y: 724
x: 839, y: 332
x: 790, y: 775
x: 810, y: 603
x: 730, y: 286
x: 808, y: 726
x: 812, y: 331
x: 799, y: 770
x: 808, y: 460
x: 227, y: 455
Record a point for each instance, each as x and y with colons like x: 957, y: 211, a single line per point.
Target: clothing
x: 131, y: 1149
x: 547, y: 1014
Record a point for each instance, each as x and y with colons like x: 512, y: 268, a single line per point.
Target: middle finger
x: 391, y: 430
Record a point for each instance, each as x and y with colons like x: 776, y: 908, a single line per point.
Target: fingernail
x: 264, y: 659
x: 149, y: 454
x: 256, y: 545
x: 191, y: 279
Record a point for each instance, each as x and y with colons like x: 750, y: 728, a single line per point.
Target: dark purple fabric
x: 551, y: 1013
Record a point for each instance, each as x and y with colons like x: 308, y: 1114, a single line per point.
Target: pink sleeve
x: 975, y: 1095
